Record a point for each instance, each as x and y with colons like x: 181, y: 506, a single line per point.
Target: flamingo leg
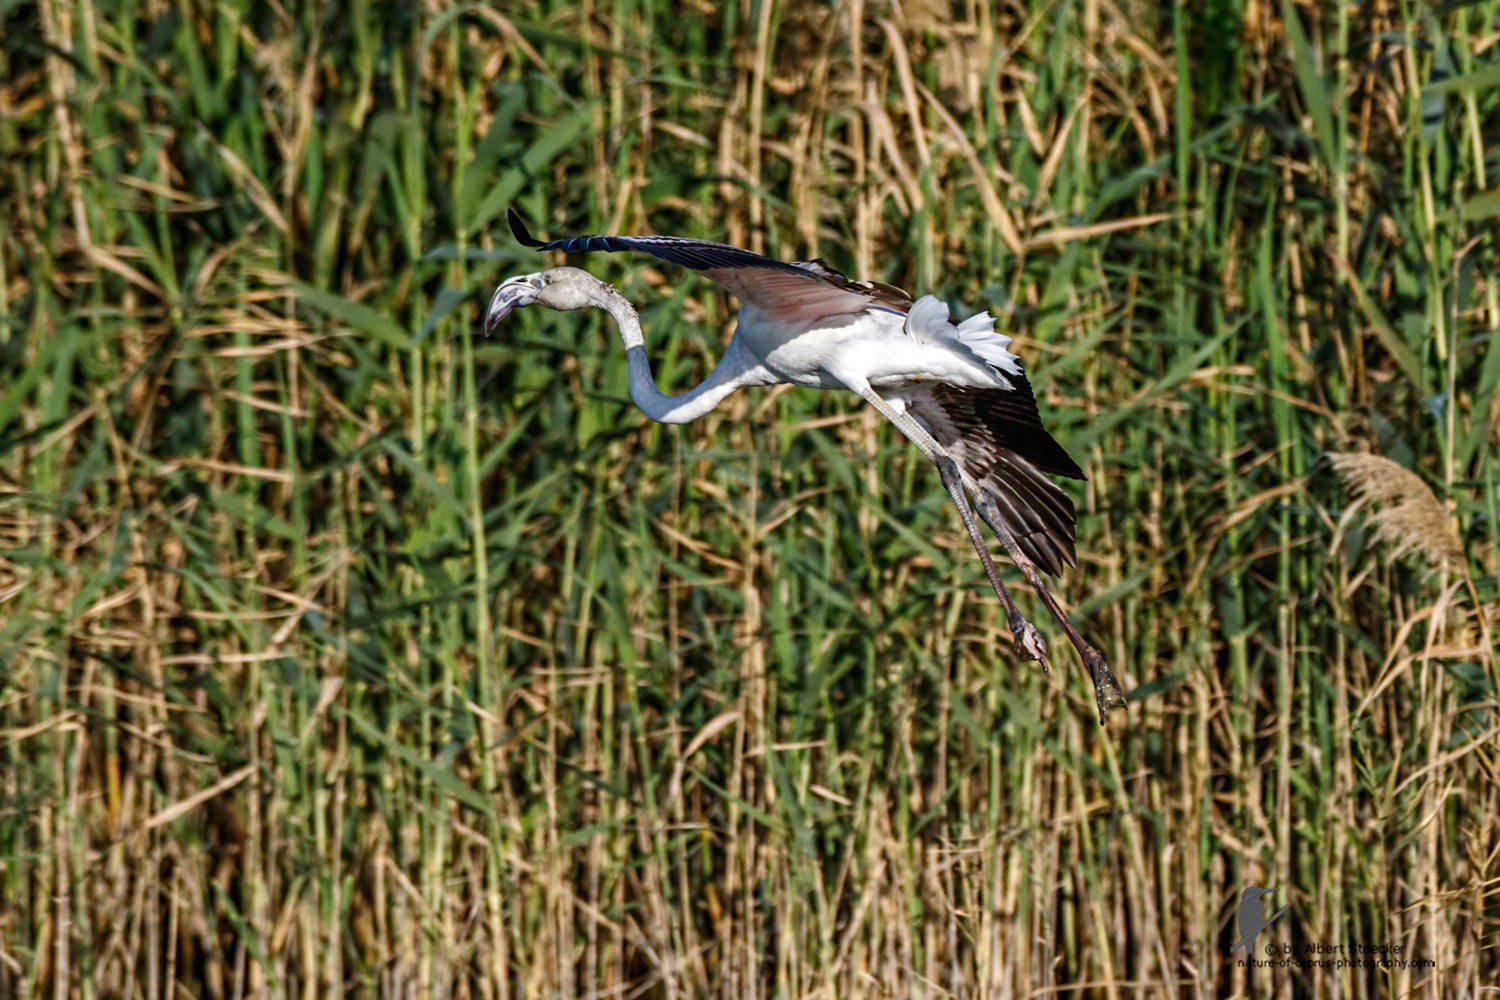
x: 1029, y: 644
x: 1107, y: 691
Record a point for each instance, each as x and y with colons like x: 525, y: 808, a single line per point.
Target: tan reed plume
x: 1404, y: 509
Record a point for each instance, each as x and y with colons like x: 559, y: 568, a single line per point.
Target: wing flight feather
x: 800, y: 290
x: 998, y: 438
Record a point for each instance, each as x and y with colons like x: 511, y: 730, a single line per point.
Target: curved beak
x: 506, y: 299
x: 512, y: 294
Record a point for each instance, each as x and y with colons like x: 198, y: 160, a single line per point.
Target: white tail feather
x: 928, y: 323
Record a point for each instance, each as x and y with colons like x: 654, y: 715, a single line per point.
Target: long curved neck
x: 735, y: 369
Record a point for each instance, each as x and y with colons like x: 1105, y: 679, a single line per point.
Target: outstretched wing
x: 997, y: 436
x: 802, y: 290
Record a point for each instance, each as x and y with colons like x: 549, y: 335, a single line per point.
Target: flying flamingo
x: 954, y: 389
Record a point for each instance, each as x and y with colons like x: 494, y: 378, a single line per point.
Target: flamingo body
x: 954, y: 388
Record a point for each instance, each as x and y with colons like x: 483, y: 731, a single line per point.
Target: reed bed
x: 344, y: 652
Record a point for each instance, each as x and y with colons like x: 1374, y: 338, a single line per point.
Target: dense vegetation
x: 344, y: 652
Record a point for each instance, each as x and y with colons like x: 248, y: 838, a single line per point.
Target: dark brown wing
x: 997, y: 436
x: 791, y: 291
x: 1011, y: 416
